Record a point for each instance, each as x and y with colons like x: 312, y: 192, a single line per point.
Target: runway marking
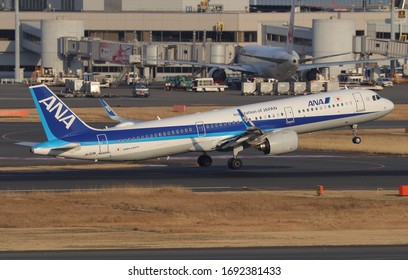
x: 6, y: 136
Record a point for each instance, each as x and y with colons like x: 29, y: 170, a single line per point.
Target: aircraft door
x: 200, y: 129
x: 103, y: 144
x: 290, y: 118
x: 359, y: 102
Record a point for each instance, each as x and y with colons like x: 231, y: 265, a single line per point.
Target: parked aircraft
x: 271, y: 62
x: 271, y: 127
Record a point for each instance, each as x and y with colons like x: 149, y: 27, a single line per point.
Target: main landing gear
x: 204, y: 160
x: 233, y: 163
x: 356, y: 139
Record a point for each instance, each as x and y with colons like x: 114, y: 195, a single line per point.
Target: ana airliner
x: 271, y: 127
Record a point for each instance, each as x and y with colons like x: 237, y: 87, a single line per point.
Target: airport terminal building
x: 108, y: 36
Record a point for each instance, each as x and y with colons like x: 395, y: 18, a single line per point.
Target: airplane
x: 277, y: 63
x: 271, y: 127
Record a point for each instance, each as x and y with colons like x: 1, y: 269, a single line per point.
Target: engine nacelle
x: 280, y: 142
x: 217, y: 74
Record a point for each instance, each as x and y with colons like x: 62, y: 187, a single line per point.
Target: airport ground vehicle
x: 140, y: 90
x: 178, y: 83
x: 385, y: 82
x: 207, y: 84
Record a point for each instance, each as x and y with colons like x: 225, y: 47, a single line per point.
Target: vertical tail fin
x: 57, y: 119
x: 290, y: 37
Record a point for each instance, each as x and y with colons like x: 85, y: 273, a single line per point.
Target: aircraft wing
x: 109, y: 111
x: 341, y: 63
x: 234, y: 67
x: 251, y: 137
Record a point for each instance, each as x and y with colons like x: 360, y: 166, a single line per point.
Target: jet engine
x: 217, y: 74
x: 280, y: 142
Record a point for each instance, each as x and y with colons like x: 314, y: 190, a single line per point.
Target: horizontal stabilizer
x: 67, y: 146
x: 27, y: 144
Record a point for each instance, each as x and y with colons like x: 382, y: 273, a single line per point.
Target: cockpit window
x: 376, y: 97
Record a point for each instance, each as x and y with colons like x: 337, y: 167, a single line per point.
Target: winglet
x: 109, y: 110
x: 112, y: 114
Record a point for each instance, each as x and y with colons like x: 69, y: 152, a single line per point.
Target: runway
x: 299, y: 170
x: 251, y: 253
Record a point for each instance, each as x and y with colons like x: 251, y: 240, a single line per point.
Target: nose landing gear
x: 356, y: 139
x: 234, y: 163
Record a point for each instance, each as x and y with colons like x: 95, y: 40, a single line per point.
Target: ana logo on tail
x: 68, y: 120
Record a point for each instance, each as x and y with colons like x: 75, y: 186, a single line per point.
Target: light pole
x: 17, y: 77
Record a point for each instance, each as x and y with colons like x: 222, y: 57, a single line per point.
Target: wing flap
x: 252, y: 136
x: 234, y: 67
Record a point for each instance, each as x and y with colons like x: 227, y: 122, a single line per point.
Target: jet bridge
x: 368, y: 46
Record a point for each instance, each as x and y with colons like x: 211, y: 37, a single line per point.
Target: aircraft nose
x: 388, y: 106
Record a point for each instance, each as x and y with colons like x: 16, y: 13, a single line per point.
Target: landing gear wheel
x: 235, y: 163
x: 356, y: 140
x: 204, y: 161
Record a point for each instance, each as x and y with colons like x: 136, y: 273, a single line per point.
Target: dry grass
x: 141, y: 113
x: 174, y: 217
